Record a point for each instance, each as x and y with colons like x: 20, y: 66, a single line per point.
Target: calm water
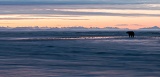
x: 79, y: 54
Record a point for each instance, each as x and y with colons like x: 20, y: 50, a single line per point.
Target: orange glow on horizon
x: 87, y: 21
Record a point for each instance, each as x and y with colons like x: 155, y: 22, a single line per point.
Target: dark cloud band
x: 76, y: 2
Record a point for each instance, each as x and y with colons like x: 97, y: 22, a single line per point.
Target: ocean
x: 79, y: 54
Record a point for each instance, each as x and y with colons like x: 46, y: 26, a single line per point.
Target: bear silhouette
x: 130, y: 33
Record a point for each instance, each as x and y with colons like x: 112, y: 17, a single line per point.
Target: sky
x: 132, y: 14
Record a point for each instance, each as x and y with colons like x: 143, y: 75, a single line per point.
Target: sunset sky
x: 131, y: 14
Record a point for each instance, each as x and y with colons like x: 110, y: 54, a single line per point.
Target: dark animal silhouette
x: 130, y: 33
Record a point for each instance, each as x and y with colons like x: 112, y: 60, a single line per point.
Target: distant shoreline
x: 75, y: 28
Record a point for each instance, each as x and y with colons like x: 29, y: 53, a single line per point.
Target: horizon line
x: 76, y: 27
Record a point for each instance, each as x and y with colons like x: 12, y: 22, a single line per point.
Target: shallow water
x: 79, y: 54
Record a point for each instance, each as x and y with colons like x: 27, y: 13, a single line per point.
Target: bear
x: 130, y: 34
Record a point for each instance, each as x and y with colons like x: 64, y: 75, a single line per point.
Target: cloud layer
x: 71, y: 8
x: 75, y: 2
